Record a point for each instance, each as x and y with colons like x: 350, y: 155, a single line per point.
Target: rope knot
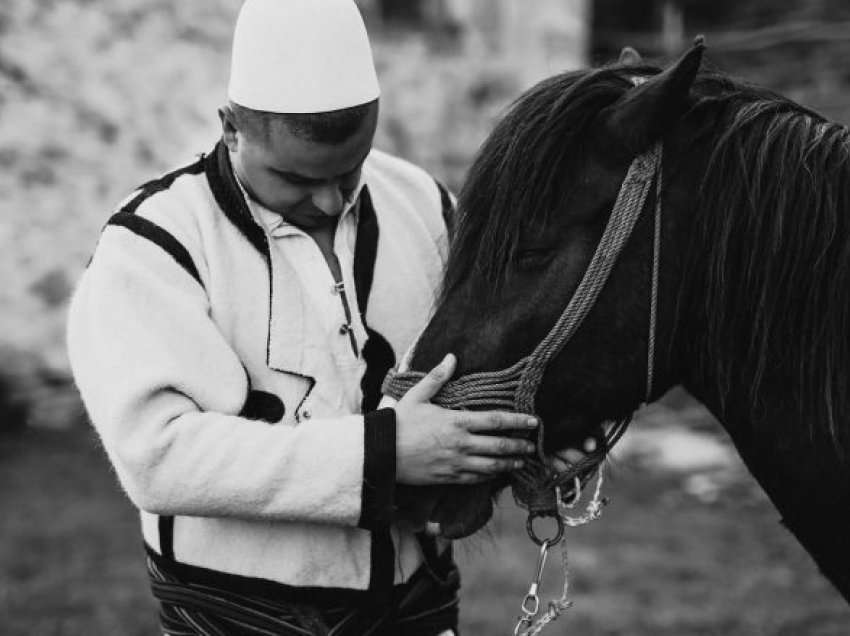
x: 556, y: 608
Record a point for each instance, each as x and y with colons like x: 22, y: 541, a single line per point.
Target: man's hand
x: 442, y: 446
x: 564, y: 459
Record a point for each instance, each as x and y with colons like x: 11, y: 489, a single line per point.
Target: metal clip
x: 531, y: 603
x: 522, y: 625
x: 559, y: 530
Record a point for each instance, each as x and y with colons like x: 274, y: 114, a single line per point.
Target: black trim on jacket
x: 379, y: 469
x: 126, y: 217
x: 378, y: 494
x: 377, y: 503
x: 263, y: 406
x: 449, y: 212
x: 165, y: 527
x: 379, y: 431
x: 377, y: 352
x: 377, y: 506
x: 159, y: 184
x: 228, y: 195
x: 159, y: 236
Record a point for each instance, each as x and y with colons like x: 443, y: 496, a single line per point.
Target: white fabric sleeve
x: 163, y: 389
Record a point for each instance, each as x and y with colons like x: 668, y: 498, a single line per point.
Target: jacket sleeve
x: 164, y: 390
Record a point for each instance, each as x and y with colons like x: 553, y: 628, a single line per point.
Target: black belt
x: 200, y: 602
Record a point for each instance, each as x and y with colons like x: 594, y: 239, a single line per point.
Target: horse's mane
x: 771, y: 243
x: 775, y: 257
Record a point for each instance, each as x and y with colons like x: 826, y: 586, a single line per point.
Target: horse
x: 737, y: 289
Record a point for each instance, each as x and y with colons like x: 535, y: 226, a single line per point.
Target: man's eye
x: 293, y: 179
x: 303, y: 183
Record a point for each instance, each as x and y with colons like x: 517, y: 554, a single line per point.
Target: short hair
x: 331, y: 127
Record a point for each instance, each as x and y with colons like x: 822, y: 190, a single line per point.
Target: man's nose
x: 329, y: 199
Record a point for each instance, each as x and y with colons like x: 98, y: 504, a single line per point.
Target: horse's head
x: 755, y: 263
x: 530, y: 215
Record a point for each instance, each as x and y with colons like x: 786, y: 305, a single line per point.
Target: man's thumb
x: 431, y: 384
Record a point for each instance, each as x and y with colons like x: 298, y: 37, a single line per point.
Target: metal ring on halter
x: 529, y: 526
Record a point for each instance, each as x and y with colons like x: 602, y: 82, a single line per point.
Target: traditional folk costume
x: 235, y: 388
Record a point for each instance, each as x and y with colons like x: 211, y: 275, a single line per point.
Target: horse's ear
x: 643, y: 114
x: 630, y: 57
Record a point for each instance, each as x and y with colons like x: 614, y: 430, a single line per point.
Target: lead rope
x: 653, y: 297
x: 527, y: 625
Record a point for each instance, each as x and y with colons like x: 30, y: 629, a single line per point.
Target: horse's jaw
x: 463, y: 510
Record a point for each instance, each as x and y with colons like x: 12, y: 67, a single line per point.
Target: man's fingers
x: 497, y: 421
x: 431, y: 384
x: 471, y: 478
x: 490, y: 445
x: 559, y: 465
x: 563, y: 459
x: 570, y: 455
x: 489, y: 466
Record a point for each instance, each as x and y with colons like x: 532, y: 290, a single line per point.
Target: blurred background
x: 97, y: 97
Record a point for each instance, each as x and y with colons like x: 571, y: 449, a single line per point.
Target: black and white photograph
x: 424, y: 317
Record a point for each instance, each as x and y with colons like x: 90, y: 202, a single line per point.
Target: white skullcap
x: 301, y: 56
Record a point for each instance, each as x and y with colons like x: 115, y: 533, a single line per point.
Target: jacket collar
x: 288, y: 319
x: 228, y: 195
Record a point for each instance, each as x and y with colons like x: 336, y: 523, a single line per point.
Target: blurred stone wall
x: 534, y: 40
x: 97, y: 96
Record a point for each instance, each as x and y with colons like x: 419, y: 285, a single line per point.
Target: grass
x: 659, y: 562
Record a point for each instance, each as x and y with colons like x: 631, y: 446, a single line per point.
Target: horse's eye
x: 533, y: 258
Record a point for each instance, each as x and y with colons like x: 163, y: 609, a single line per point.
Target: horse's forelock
x: 517, y: 179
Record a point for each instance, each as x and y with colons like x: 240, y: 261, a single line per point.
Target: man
x: 229, y: 337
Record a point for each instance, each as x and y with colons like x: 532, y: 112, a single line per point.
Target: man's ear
x: 642, y: 115
x: 228, y: 128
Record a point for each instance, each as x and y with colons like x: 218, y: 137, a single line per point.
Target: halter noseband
x: 515, y: 388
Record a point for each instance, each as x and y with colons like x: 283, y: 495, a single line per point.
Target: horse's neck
x: 804, y: 477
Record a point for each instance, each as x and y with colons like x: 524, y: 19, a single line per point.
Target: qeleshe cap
x: 301, y: 56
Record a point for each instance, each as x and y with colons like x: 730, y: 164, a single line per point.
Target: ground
x: 670, y: 556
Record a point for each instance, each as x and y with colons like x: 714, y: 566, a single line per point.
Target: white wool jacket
x: 232, y: 424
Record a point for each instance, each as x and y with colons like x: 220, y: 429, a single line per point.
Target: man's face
x: 307, y: 182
